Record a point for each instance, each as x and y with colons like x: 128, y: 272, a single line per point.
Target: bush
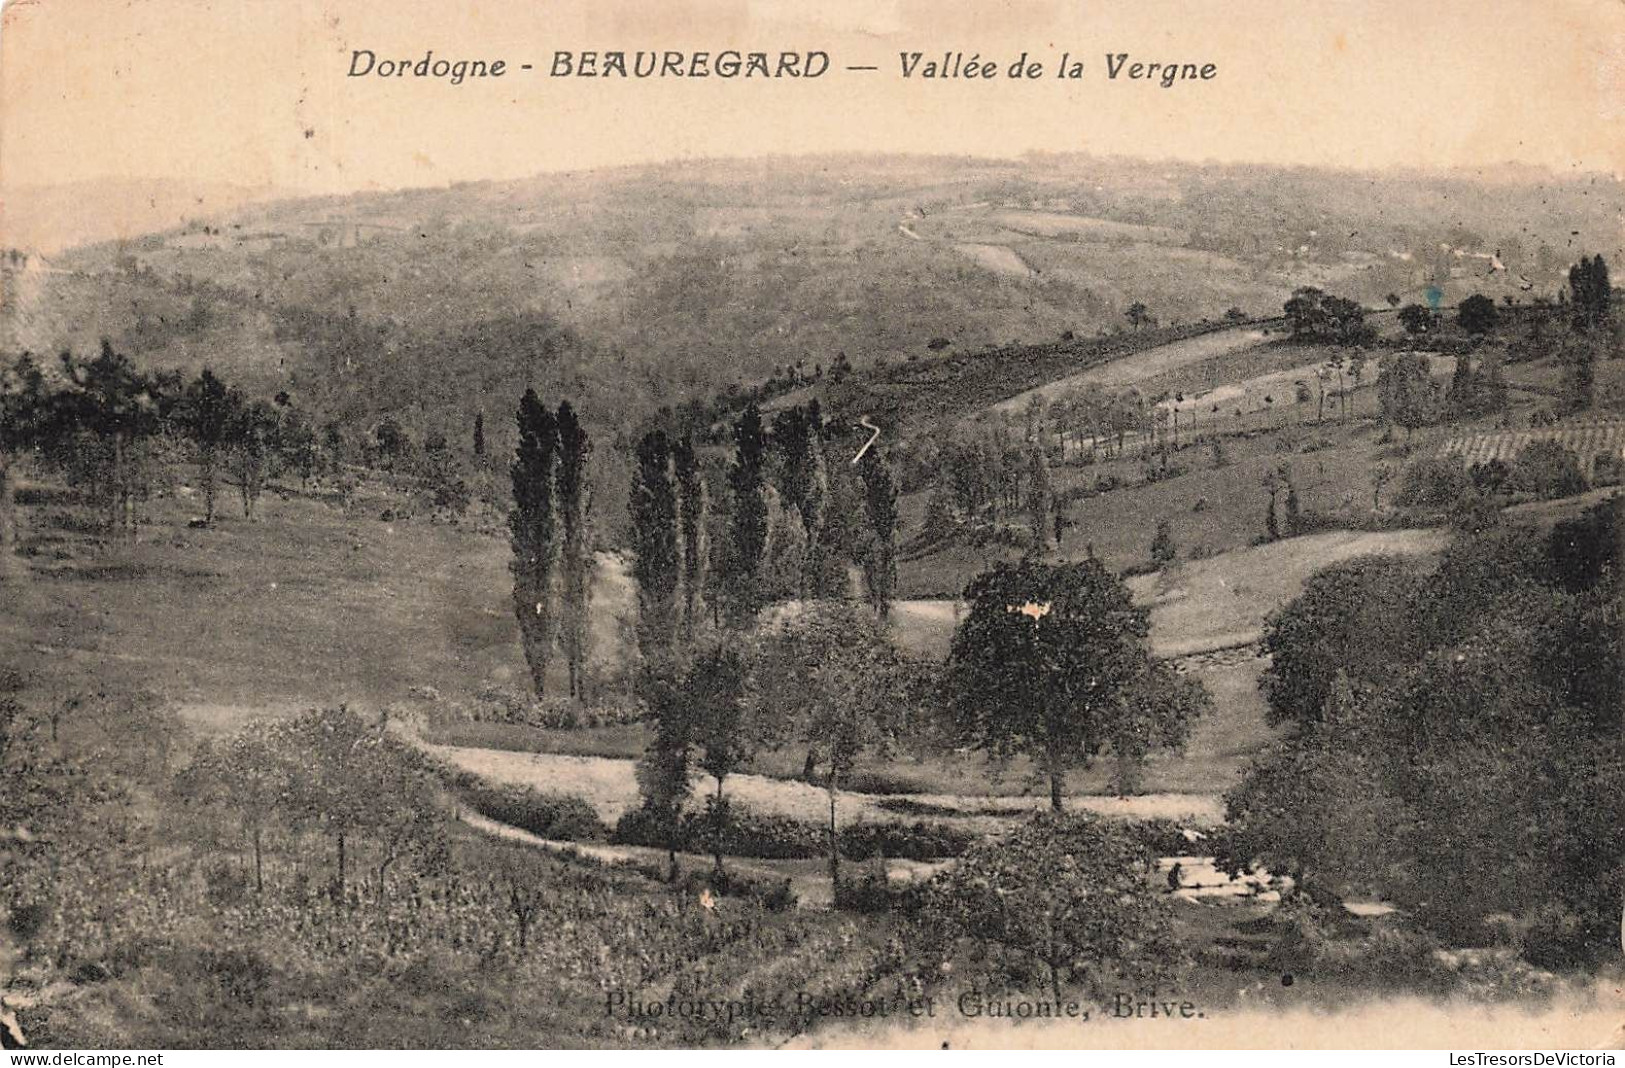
x: 1547, y: 470
x: 1162, y: 543
x: 1433, y: 482
x: 1065, y: 900
x: 1314, y: 941
x: 495, y: 704
x: 225, y: 882
x: 874, y: 893
x: 1557, y: 937
x: 765, y: 836
x: 774, y: 895
x: 1164, y: 838
x: 917, y: 841
x: 559, y: 817
x: 243, y: 975
x: 748, y: 833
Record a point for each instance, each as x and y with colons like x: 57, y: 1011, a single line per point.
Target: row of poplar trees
x: 692, y: 566
x: 703, y: 580
x: 550, y: 531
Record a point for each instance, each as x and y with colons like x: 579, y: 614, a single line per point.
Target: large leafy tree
x: 717, y: 695
x: 1592, y: 292
x: 1061, y: 902
x: 1477, y: 314
x: 1417, y: 318
x: 1319, y: 316
x: 533, y: 527
x: 1406, y: 392
x: 831, y: 675
x: 1044, y: 661
x: 1350, y: 618
x: 1467, y: 763
x: 354, y: 780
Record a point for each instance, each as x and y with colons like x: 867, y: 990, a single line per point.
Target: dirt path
x: 610, y: 786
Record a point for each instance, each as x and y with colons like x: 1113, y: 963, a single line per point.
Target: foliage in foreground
x: 1459, y: 738
x: 1061, y: 903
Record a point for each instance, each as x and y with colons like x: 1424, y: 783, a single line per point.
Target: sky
x: 255, y: 93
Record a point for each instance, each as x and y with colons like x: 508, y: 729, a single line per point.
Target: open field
x: 1205, y: 604
x: 1145, y: 365
x: 1201, y: 605
x: 305, y: 605
x: 1211, y: 509
x: 1083, y: 227
x: 1000, y: 259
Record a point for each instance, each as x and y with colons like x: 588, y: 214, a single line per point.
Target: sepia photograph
x: 856, y: 524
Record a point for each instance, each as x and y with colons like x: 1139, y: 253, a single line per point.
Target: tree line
x: 118, y: 431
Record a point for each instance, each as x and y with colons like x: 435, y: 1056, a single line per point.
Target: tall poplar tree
x: 656, y: 552
x: 691, y: 511
x: 1592, y: 292
x: 532, y: 528
x: 748, y: 530
x: 1038, y: 496
x: 880, y: 553
x: 575, y: 509
x: 804, y: 486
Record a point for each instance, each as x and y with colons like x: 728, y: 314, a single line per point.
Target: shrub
x: 1433, y: 482
x: 748, y: 833
x: 495, y: 704
x: 1557, y: 937
x: 1493, y: 478
x: 917, y: 841
x: 1065, y: 900
x: 1547, y: 470
x: 774, y: 895
x: 559, y: 817
x: 1162, y: 543
x: 225, y: 882
x: 767, y: 836
x: 243, y: 975
x: 1314, y: 940
x: 874, y: 893
x: 1164, y: 838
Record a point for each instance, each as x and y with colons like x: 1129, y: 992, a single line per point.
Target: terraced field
x: 1143, y: 365
x: 1589, y: 440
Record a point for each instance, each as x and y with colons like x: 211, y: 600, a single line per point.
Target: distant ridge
x: 50, y: 218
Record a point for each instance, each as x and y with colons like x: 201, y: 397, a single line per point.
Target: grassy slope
x: 303, y: 605
x: 307, y: 606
